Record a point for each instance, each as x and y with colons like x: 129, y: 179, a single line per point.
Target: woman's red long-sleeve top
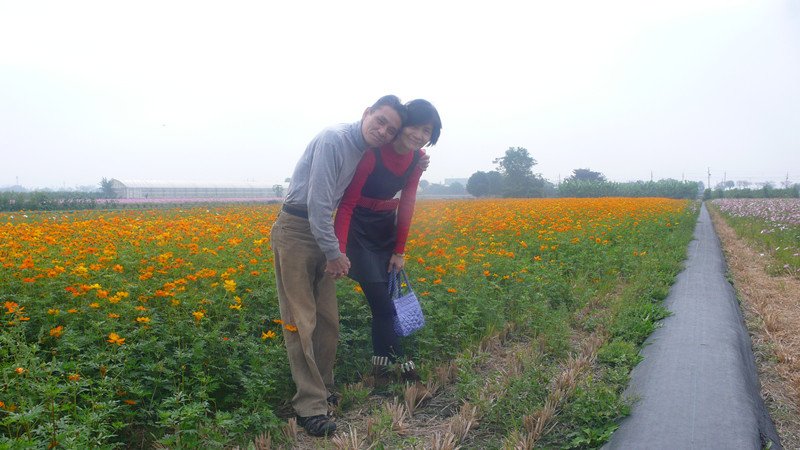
x: 397, y: 164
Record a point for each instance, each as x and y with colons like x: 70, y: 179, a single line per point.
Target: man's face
x: 379, y: 126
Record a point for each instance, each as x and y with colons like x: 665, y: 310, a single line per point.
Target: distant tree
x: 456, y: 189
x: 741, y: 184
x: 424, y: 184
x: 485, y: 184
x: 107, y: 188
x: 586, y: 175
x: 278, y: 190
x: 518, y: 178
x: 516, y: 163
x: 435, y: 189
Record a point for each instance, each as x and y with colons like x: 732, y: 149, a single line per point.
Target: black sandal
x: 317, y: 425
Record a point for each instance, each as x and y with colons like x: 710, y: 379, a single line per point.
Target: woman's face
x: 413, y: 137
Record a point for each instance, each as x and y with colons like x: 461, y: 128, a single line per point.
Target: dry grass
x: 544, y: 419
x: 771, y: 305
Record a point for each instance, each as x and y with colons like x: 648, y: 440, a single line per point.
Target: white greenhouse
x: 148, y: 189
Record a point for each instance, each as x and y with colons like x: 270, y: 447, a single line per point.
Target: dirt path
x: 771, y: 306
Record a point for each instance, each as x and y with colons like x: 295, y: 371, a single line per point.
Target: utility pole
x: 708, y: 186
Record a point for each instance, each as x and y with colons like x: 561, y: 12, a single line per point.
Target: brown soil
x: 771, y: 306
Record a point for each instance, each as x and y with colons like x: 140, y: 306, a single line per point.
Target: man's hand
x: 396, y: 263
x: 339, y: 267
x: 424, y: 161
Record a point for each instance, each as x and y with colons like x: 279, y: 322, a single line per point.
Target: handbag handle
x: 395, y: 284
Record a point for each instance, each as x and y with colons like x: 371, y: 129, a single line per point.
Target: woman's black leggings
x: 384, y: 340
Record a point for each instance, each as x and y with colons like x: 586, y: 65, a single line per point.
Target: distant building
x: 190, y: 189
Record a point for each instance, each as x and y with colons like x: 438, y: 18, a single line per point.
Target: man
x: 307, y: 256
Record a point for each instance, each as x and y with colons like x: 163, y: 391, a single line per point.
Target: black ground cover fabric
x: 697, y: 387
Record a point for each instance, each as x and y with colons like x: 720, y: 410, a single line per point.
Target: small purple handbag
x: 409, y: 317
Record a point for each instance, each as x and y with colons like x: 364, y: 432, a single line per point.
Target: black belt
x: 295, y: 211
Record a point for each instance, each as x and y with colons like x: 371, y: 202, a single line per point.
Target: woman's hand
x: 396, y: 263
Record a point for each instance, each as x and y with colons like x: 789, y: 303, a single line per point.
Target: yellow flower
x: 143, y: 319
x: 230, y: 285
x: 114, y: 338
x: 53, y: 312
x: 268, y: 335
x: 94, y: 305
x: 236, y: 306
x: 198, y: 315
x: 113, y: 316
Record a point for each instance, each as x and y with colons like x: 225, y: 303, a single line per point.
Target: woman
x: 372, y: 228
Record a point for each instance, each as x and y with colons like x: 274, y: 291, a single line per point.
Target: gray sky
x: 233, y: 91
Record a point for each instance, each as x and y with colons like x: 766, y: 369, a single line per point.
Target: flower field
x: 772, y: 224
x: 162, y: 326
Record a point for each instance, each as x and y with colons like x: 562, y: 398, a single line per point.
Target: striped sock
x: 407, y: 366
x: 380, y: 360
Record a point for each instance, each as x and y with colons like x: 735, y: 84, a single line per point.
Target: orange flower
x: 113, y: 316
x: 129, y: 401
x: 114, y: 338
x: 291, y: 328
x: 198, y: 315
x: 143, y: 320
x: 452, y: 290
x: 20, y: 370
x: 74, y: 377
x: 57, y: 331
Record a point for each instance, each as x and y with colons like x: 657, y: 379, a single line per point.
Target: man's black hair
x: 393, y: 102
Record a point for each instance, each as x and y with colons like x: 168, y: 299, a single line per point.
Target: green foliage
x: 586, y: 175
x: 766, y: 191
x: 668, y: 188
x: 485, y: 184
x: 47, y: 201
x: 107, y: 188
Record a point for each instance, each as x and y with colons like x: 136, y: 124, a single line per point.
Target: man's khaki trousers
x: 307, y: 299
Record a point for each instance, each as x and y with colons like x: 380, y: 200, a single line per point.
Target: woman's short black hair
x: 422, y: 112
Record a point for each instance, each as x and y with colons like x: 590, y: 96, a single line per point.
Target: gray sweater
x: 321, y: 177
